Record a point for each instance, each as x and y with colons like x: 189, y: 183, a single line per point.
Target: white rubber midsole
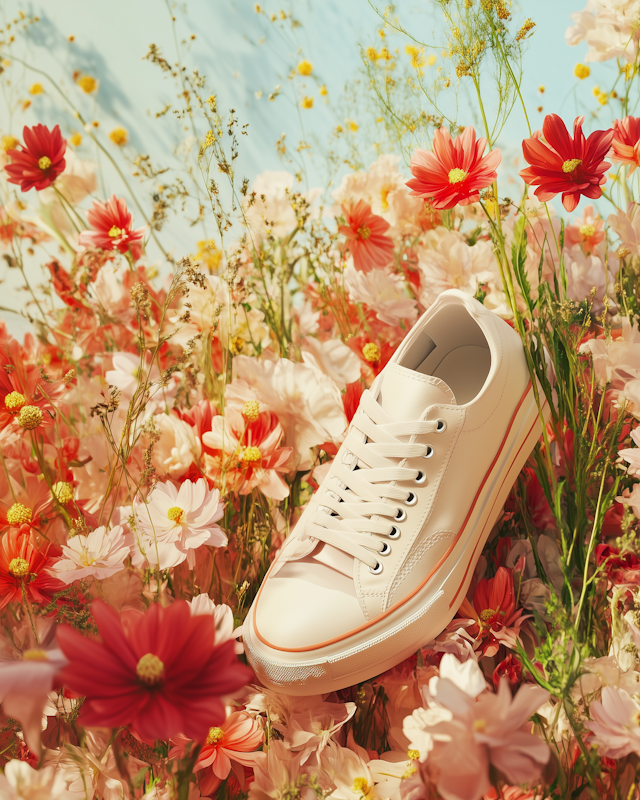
x: 421, y: 618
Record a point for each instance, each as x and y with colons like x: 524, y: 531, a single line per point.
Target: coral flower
x: 233, y: 743
x: 454, y: 171
x: 574, y: 167
x: 23, y: 568
x: 158, y: 672
x: 625, y: 146
x: 112, y: 228
x: 40, y: 160
x: 367, y: 239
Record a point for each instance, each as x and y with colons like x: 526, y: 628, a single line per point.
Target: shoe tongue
x: 405, y: 393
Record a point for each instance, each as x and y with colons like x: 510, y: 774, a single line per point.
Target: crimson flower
x: 40, y: 160
x: 574, y: 167
x: 366, y: 236
x: 625, y: 146
x: 159, y: 672
x: 454, y: 171
x: 112, y: 228
x: 25, y: 568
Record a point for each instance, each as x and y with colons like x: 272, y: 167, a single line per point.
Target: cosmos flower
x: 40, y: 160
x: 160, y: 673
x: 367, y: 239
x: 112, y: 228
x: 454, y: 171
x: 625, y: 147
x: 574, y: 167
x: 24, y: 568
x: 99, y: 555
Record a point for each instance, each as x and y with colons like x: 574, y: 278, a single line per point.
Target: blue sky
x: 243, y: 54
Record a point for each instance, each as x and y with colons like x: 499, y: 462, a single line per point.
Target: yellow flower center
x: 384, y: 197
x: 44, y: 163
x: 371, y: 353
x: 29, y: 417
x: 9, y: 143
x: 215, y: 734
x: 62, y: 492
x: 19, y: 567
x: 175, y: 514
x: 409, y: 771
x: 480, y: 725
x: 236, y: 345
x: 363, y: 233
x: 251, y: 410
x: 150, y: 669
x: 571, y: 164
x: 18, y: 514
x: 14, y: 402
x: 586, y: 231
x: 457, y: 175
x: 488, y: 614
x: 361, y: 785
x: 413, y: 754
x: 35, y: 655
x: 115, y: 232
x: 251, y: 454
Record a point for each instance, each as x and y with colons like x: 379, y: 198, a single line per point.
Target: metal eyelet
x: 386, y: 549
x: 441, y: 425
x: 411, y: 499
x: 377, y: 569
x: 430, y: 452
x: 420, y: 477
x: 395, y: 533
x: 401, y: 515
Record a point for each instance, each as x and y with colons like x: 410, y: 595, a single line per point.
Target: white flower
x: 278, y: 189
x: 99, y: 555
x: 353, y: 778
x: 334, y: 358
x: 632, y: 454
x: 203, y: 605
x: 609, y: 28
x: 382, y: 292
x: 173, y: 523
x: 306, y: 401
x: 22, y: 782
x: 177, y: 448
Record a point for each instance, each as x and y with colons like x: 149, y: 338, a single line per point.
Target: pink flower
x: 615, y: 723
x: 455, y: 171
x: 112, y: 228
x: 367, y: 239
x: 587, y: 232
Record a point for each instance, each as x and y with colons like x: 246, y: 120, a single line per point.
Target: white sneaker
x: 384, y: 553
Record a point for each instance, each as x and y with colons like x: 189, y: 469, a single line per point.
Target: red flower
x: 574, y: 167
x: 455, y: 171
x: 40, y: 160
x: 351, y: 399
x: 625, y: 146
x: 158, y: 672
x: 112, y: 228
x: 366, y: 236
x: 494, y: 599
x: 22, y: 565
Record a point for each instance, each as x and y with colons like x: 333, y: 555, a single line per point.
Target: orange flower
x: 23, y: 567
x: 625, y: 147
x: 366, y: 236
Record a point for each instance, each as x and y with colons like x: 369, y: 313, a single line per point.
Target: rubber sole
x: 427, y: 613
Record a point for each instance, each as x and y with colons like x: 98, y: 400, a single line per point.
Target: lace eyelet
x: 411, y: 499
x: 430, y: 452
x: 420, y: 477
x: 386, y: 549
x: 377, y: 569
x: 401, y: 515
x: 441, y: 426
x: 395, y: 533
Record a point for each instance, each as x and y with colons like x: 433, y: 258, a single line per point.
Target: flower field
x: 164, y: 424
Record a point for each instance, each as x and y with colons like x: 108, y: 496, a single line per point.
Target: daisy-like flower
x: 615, y: 723
x: 112, y: 228
x: 574, y: 167
x: 454, y: 171
x: 173, y: 523
x: 625, y: 147
x: 235, y: 740
x: 40, y: 160
x: 367, y: 238
x: 23, y: 568
x: 161, y: 674
x: 21, y: 781
x: 587, y: 232
x: 99, y: 555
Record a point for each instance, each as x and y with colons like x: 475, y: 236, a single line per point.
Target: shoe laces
x: 360, y: 505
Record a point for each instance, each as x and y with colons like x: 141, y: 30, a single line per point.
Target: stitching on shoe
x: 418, y: 552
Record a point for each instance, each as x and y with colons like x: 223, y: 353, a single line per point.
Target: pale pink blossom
x: 22, y: 782
x: 631, y: 498
x: 627, y: 226
x: 585, y: 232
x: 382, y: 291
x: 178, y: 447
x: 351, y: 775
x: 172, y: 523
x: 615, y: 723
x: 277, y: 770
x: 274, y: 214
x: 587, y: 272
x: 632, y: 454
x: 222, y: 616
x: 99, y: 555
x: 332, y: 357
x: 609, y: 27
